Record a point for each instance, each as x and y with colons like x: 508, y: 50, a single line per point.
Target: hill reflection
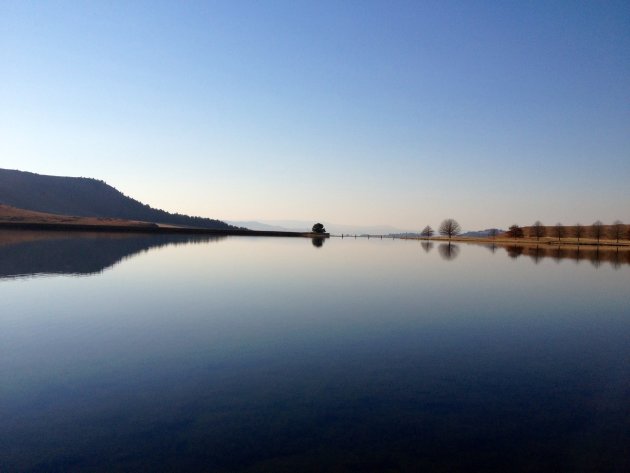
x: 52, y: 253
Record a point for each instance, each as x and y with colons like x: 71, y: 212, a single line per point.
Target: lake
x: 243, y: 354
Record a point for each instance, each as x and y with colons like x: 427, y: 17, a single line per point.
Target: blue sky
x: 357, y: 112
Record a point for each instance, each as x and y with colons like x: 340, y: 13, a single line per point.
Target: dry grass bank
x: 10, y: 214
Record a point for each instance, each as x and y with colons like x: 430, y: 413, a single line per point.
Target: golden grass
x: 10, y: 214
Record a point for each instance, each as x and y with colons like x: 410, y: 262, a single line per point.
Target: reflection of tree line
x: 80, y: 254
x: 595, y: 255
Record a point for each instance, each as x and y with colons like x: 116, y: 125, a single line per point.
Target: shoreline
x: 526, y: 241
x: 150, y: 229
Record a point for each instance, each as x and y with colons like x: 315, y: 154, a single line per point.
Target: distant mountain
x: 482, y: 233
x: 86, y: 197
x: 306, y: 225
x: 259, y: 226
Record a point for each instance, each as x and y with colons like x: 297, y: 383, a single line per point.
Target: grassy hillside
x: 85, y: 197
x: 10, y: 214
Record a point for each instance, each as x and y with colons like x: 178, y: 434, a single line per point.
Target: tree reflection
x: 318, y: 242
x: 536, y: 254
x: 595, y: 258
x: 514, y: 251
x: 559, y: 254
x: 449, y: 251
x: 426, y: 246
x: 597, y: 255
x: 616, y: 259
x: 577, y: 255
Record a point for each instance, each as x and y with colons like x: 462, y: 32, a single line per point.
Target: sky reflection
x: 267, y: 353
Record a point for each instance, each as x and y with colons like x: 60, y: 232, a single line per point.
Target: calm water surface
x: 128, y: 353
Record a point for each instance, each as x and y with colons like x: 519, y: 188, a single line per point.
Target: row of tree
x: 597, y: 230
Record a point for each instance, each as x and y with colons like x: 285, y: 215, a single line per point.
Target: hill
x: 482, y: 233
x: 86, y: 197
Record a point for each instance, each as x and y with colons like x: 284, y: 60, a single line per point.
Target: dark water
x: 255, y: 355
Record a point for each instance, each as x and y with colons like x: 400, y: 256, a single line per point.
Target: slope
x: 85, y: 197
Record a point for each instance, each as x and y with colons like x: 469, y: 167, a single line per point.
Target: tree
x: 538, y: 230
x: 450, y: 228
x: 597, y: 230
x: 579, y: 231
x: 616, y: 230
x: 493, y: 232
x: 559, y: 231
x: 427, y: 232
x: 515, y: 231
x: 319, y: 228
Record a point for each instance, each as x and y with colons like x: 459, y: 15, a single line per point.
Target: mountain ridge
x: 86, y: 197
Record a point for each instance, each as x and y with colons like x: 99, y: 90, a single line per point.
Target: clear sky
x: 357, y: 112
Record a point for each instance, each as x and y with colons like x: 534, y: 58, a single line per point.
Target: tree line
x: 617, y: 231
x: 597, y: 230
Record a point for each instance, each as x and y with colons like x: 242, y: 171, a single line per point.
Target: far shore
x: 503, y: 240
x: 528, y: 241
x: 150, y: 229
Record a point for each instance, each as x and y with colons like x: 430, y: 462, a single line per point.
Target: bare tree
x: 493, y: 232
x: 616, y: 230
x: 579, y: 231
x: 450, y: 228
x: 559, y: 231
x: 515, y: 231
x: 538, y: 230
x: 597, y: 230
x: 427, y: 232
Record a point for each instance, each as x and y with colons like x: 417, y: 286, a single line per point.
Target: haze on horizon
x: 392, y: 113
